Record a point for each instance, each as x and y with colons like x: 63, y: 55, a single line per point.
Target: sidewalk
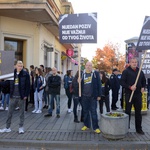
x: 63, y: 134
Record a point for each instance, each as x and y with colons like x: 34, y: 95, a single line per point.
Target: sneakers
x: 69, y: 110
x: 97, y: 131
x: 34, y: 111
x: 21, y: 130
x: 17, y: 108
x: 84, y: 128
x: 1, y: 108
x: 5, y: 130
x: 38, y: 112
x: 6, y: 108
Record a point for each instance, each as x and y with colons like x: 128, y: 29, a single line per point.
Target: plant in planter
x: 114, y: 125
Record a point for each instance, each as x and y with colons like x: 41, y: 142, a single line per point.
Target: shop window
x: 14, y: 45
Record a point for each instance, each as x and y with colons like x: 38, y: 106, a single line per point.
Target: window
x: 14, y: 45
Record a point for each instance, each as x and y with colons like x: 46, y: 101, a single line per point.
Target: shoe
x: 69, y: 110
x: 6, y: 108
x: 5, y: 130
x: 84, y: 128
x: 21, y: 130
x: 76, y: 121
x: 81, y: 119
x: 38, y: 112
x: 48, y: 115
x: 34, y: 111
x: 114, y: 108
x: 1, y: 108
x: 58, y: 116
x: 140, y: 132
x: 44, y: 107
x: 17, y: 108
x: 97, y: 131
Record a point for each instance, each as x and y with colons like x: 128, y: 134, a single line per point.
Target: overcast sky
x: 118, y: 20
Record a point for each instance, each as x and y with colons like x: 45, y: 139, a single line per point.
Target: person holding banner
x: 128, y: 79
x: 19, y: 92
x: 91, y: 92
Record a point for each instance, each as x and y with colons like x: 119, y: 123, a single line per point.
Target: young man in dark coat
x: 128, y: 78
x: 54, y: 84
x: 19, y: 92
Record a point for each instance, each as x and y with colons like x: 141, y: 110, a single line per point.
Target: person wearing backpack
x: 39, y: 85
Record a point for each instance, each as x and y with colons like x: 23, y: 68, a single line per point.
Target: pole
x: 79, y: 65
x: 138, y: 75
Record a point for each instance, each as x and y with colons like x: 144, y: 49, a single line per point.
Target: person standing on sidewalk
x: 19, y: 92
x: 128, y: 78
x: 105, y: 92
x: 76, y: 99
x: 115, y: 86
x: 67, y: 83
x: 91, y: 93
x: 39, y: 86
x: 54, y: 84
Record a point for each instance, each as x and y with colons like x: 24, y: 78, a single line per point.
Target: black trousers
x: 69, y: 95
x: 137, y: 102
x: 106, y: 101
x: 115, y: 93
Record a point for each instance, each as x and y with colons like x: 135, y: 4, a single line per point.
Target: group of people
x: 95, y: 87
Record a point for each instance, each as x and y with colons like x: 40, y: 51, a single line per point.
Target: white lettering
x: 86, y: 37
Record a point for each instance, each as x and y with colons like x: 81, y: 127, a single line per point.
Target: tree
x: 109, y: 58
x: 84, y: 61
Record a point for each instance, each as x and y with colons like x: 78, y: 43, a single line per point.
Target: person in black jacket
x: 54, y: 84
x: 128, y: 79
x: 115, y: 86
x: 19, y: 92
x: 5, y: 86
x: 105, y: 92
x: 76, y: 99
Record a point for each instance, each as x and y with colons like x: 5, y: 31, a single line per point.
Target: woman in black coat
x: 105, y: 92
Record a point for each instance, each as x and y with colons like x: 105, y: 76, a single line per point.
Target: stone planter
x: 114, y: 127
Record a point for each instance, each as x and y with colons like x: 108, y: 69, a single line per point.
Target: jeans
x: 5, y: 96
x: 90, y: 110
x: 38, y: 99
x: 46, y: 97
x: 69, y: 95
x: 51, y: 103
x: 14, y: 102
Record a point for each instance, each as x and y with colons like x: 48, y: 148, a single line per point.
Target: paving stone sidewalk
x: 62, y: 133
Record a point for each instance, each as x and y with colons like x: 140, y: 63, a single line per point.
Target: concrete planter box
x: 114, y: 127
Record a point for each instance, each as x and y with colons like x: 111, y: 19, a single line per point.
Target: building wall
x: 34, y: 36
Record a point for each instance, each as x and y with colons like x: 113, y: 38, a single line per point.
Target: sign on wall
x: 6, y: 62
x: 78, y: 28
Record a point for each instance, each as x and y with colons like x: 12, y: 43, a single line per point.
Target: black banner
x: 144, y: 39
x: 78, y: 28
